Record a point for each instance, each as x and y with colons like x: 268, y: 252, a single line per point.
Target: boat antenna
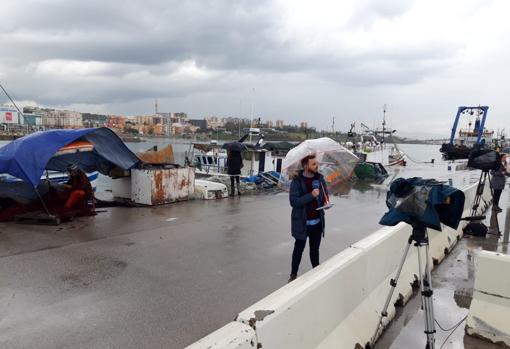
x: 384, y: 122
x: 19, y: 111
x: 252, y: 108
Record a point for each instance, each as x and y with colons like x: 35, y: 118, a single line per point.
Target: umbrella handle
x: 326, y: 196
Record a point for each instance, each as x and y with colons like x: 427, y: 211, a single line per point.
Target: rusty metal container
x: 159, y: 185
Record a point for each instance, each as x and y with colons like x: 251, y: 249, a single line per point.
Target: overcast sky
x: 294, y: 60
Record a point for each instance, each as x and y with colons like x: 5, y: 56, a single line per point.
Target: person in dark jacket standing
x: 498, y: 182
x: 234, y: 165
x: 307, y: 192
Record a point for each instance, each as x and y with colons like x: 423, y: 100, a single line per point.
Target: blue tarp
x: 26, y: 158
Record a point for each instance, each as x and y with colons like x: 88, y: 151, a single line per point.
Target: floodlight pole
x: 420, y: 237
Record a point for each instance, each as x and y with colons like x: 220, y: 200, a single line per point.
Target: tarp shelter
x: 28, y: 157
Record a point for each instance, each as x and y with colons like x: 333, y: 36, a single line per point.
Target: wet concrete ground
x: 155, y: 277
x: 163, y: 277
x: 453, y: 282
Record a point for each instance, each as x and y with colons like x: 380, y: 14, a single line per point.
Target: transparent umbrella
x: 336, y: 163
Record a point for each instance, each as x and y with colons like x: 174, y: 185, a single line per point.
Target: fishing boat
x: 370, y: 170
x: 210, y: 159
x: 72, y: 149
x: 396, y: 157
x: 208, y: 190
x: 61, y: 178
x: 470, y: 138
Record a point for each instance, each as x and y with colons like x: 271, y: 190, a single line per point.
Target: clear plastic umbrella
x: 336, y: 163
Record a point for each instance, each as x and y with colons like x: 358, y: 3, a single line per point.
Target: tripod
x: 421, y: 240
x: 478, y: 197
x: 479, y: 191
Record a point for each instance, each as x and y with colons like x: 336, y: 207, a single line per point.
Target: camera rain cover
x: 423, y: 202
x: 484, y: 159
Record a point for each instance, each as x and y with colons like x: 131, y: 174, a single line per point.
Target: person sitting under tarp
x: 79, y: 187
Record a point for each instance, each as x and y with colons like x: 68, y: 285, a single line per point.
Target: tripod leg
x: 393, y: 284
x: 426, y: 296
x: 494, y: 213
x: 479, y: 192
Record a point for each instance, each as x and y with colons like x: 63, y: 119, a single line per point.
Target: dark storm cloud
x: 223, y: 35
x: 218, y: 34
x: 100, y: 52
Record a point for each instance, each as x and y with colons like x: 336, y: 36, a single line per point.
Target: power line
x: 453, y: 329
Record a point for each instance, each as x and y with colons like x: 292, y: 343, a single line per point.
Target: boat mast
x: 384, y: 123
x: 252, y: 108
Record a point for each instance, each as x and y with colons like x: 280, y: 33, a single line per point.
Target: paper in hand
x: 325, y: 207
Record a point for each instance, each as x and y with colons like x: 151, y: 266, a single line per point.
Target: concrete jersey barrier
x: 337, y: 304
x: 490, y: 308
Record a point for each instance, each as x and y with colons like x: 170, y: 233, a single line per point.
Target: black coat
x: 299, y: 200
x: 234, y: 163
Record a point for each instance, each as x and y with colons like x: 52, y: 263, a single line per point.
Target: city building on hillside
x: 279, y: 124
x: 157, y: 120
x: 304, y: 125
x: 214, y: 122
x: 62, y: 119
x: 116, y: 123
x: 9, y: 116
x: 199, y: 123
x: 53, y: 118
x: 145, y: 120
x: 34, y: 120
x: 168, y: 118
x: 180, y: 115
x: 177, y: 128
x: 94, y: 120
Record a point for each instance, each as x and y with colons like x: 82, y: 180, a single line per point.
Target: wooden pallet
x: 38, y: 218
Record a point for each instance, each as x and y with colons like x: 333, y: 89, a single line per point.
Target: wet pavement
x: 453, y: 282
x: 155, y: 277
x: 164, y: 277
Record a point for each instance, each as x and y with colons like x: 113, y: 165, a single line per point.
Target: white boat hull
x: 207, y: 190
x: 61, y: 178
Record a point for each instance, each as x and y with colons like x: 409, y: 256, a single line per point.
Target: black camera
x: 423, y: 203
x: 484, y: 159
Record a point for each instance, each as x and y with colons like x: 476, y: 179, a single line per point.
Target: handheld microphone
x: 316, y: 185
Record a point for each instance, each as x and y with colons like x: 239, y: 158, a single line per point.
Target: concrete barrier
x: 490, y: 308
x: 337, y: 304
x: 303, y: 313
x: 235, y: 335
